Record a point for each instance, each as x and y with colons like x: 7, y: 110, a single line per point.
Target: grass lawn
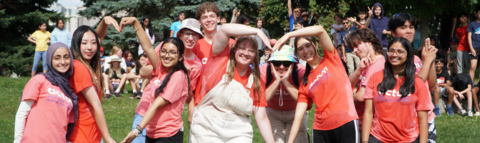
x: 119, y: 115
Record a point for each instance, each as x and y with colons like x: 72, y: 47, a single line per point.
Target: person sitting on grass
x: 114, y: 77
x: 475, y: 90
x: 461, y: 86
x: 443, y: 82
x: 134, y: 77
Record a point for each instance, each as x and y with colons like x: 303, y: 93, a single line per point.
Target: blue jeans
x: 36, y: 59
x: 141, y: 137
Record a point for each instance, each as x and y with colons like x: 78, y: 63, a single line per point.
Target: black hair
x: 312, y: 41
x: 338, y: 15
x: 138, y: 65
x: 41, y: 23
x: 58, y: 21
x: 150, y: 29
x: 399, y: 20
x: 94, y: 64
x: 221, y: 17
x: 362, y: 10
x: 439, y: 60
x: 179, y: 13
x: 180, y: 65
x: 477, y: 9
x: 243, y: 18
x: 433, y: 37
x: 345, y: 18
x: 462, y: 14
x: 389, y: 80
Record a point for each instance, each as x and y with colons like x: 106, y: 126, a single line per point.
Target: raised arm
x: 220, y: 41
x: 318, y: 31
x: 289, y: 6
x: 370, y: 15
x: 103, y: 27
x: 142, y: 38
x: 427, y: 72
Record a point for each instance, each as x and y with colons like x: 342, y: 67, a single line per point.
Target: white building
x: 75, y: 19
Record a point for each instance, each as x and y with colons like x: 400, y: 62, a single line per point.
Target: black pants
x: 347, y: 133
x: 372, y: 139
x: 177, y: 138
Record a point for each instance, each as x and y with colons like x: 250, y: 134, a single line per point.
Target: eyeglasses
x: 171, y: 53
x: 244, y: 50
x: 346, y: 23
x: 284, y: 63
x: 399, y: 52
x: 187, y: 35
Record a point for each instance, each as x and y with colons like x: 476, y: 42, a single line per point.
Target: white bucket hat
x: 191, y: 24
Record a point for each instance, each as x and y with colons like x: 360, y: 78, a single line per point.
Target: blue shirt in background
x: 175, y: 27
x: 344, y: 35
x: 474, y: 28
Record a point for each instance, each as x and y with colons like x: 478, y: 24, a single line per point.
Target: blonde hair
x: 115, y: 50
x: 117, y: 71
x: 256, y: 70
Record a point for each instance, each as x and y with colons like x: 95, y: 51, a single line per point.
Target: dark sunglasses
x: 284, y: 63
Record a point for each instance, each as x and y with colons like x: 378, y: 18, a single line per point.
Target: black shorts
x: 477, y: 51
x: 177, y: 138
x: 347, y: 133
x: 372, y: 139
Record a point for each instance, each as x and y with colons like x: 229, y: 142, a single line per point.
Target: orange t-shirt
x: 330, y: 89
x: 281, y: 100
x: 168, y: 119
x: 213, y: 73
x: 203, y: 50
x: 461, y: 33
x: 86, y: 129
x: 50, y: 114
x: 395, y: 119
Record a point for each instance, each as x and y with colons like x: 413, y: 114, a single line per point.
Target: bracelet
x: 138, y: 28
x: 135, y: 131
x: 139, y: 128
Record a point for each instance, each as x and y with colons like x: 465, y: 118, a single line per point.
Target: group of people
x: 222, y: 81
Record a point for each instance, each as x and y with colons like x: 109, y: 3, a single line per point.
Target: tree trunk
x: 423, y: 30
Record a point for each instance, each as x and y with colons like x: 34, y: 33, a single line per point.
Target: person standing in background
x: 42, y: 39
x: 176, y: 25
x: 150, y: 33
x: 61, y: 34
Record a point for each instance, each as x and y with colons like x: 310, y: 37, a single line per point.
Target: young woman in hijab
x: 48, y: 110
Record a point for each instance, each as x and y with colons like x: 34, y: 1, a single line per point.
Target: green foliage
x: 19, y: 19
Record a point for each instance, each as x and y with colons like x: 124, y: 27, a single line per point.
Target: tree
x: 19, y: 19
x: 162, y: 14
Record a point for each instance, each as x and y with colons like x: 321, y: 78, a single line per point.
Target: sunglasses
x: 284, y: 63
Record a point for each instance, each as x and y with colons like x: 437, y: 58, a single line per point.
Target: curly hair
x: 206, y: 7
x: 364, y: 35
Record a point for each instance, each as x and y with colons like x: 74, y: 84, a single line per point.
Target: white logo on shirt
x: 59, y: 94
x: 394, y: 93
x: 204, y: 60
x: 324, y: 71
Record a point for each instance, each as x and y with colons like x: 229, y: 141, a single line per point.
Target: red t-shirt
x: 203, y: 50
x: 330, y: 89
x: 281, y: 100
x: 213, y: 73
x: 395, y: 119
x: 86, y: 130
x: 377, y: 65
x: 168, y: 119
x: 461, y: 33
x: 48, y: 119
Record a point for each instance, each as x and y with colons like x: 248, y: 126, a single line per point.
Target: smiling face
x: 181, y: 16
x: 245, y: 53
x: 189, y: 38
x: 297, y: 12
x: 281, y: 67
x: 346, y: 24
x: 88, y: 47
x: 115, y: 64
x: 61, y: 60
x: 223, y: 21
x: 438, y: 65
x: 43, y: 27
x: 129, y: 57
x: 209, y: 21
x: 397, y: 55
x: 298, y: 26
x: 306, y: 51
x: 406, y: 31
x: 169, y: 56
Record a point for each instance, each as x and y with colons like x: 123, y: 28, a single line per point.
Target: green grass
x: 119, y: 114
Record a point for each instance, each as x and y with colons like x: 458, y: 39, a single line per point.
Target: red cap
x: 101, y: 49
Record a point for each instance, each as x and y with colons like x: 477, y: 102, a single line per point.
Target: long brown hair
x: 256, y: 70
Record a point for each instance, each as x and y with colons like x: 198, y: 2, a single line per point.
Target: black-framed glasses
x: 171, y: 53
x: 284, y: 63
